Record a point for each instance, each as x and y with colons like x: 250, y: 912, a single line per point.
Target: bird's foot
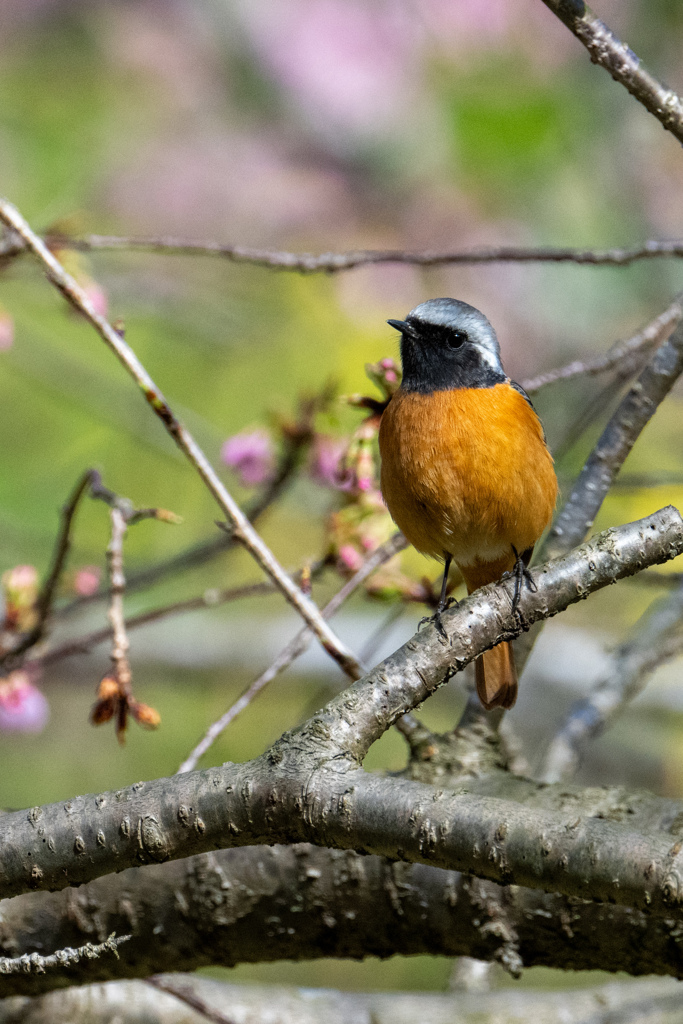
x: 521, y: 575
x: 436, y: 620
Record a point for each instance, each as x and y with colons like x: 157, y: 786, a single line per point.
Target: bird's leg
x: 444, y: 602
x: 521, y: 575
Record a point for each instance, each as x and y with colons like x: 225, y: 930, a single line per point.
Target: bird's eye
x: 456, y: 338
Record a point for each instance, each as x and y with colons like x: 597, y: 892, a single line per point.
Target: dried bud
x: 108, y: 688
x: 102, y: 711
x: 145, y: 715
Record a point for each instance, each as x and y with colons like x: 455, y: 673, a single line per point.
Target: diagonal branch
x: 621, y: 62
x: 309, y: 786
x: 657, y: 638
x: 294, y: 649
x: 621, y: 433
x: 240, y: 525
x: 623, y: 354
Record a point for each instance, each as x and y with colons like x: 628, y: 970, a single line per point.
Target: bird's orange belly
x: 466, y: 472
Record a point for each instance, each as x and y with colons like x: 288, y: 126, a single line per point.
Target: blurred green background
x: 316, y: 125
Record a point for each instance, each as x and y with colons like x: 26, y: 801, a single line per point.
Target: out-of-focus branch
x: 616, y: 57
x: 135, y: 1002
x: 309, y: 785
x: 634, y: 412
x: 184, y: 991
x: 211, y: 598
x: 241, y: 528
x: 623, y: 354
x: 333, y: 262
x: 294, y: 649
x: 657, y: 638
x: 47, y: 592
x: 34, y: 963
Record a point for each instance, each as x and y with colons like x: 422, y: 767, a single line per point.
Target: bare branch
x: 621, y: 62
x: 187, y: 994
x: 294, y: 649
x: 657, y: 638
x: 240, y: 525
x: 634, y: 412
x: 211, y: 598
x: 274, y: 798
x: 333, y: 262
x: 623, y: 354
x: 34, y: 963
x: 47, y: 593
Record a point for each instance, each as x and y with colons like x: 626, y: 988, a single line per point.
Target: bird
x: 465, y: 469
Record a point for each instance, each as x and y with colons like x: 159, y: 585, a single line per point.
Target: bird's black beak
x: 402, y: 326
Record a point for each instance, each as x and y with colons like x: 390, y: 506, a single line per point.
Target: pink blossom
x: 21, y: 577
x: 87, y: 580
x: 6, y: 331
x: 251, y: 456
x: 23, y: 708
x: 327, y: 462
x: 349, y: 558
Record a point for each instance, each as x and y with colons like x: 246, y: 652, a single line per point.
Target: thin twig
x: 294, y: 649
x: 622, y: 354
x: 34, y: 963
x: 47, y: 593
x: 333, y: 262
x: 239, y: 523
x: 657, y: 638
x: 209, y: 599
x: 187, y: 995
x: 621, y: 62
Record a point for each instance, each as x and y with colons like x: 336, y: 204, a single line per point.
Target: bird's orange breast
x: 467, y: 472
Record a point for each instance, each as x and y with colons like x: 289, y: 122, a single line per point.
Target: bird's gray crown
x: 460, y: 316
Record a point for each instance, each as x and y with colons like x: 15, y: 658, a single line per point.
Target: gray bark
x: 309, y: 786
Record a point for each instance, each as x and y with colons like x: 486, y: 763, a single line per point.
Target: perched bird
x: 466, y: 474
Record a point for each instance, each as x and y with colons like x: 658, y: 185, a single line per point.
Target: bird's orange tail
x: 496, y: 677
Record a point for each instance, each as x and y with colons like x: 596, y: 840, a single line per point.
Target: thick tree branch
x: 264, y: 904
x: 241, y: 528
x: 621, y: 62
x: 308, y: 786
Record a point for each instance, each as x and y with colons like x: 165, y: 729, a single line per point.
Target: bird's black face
x: 461, y: 351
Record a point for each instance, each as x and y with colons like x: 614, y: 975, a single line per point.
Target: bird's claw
x: 436, y: 620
